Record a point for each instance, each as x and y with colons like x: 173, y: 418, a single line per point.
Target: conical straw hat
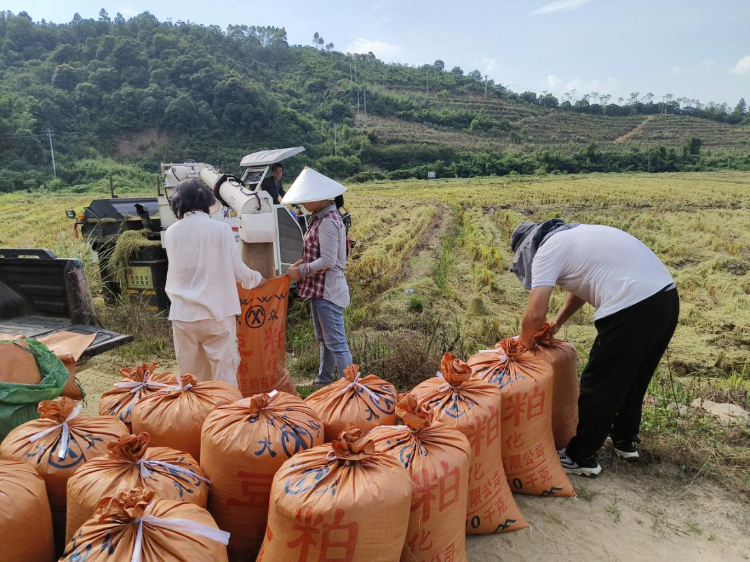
x: 312, y: 186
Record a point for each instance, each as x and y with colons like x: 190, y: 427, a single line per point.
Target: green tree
x: 66, y: 77
x: 180, y: 114
x: 529, y: 97
x: 439, y: 65
x: 741, y: 107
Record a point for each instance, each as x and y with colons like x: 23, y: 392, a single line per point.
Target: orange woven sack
x: 366, y: 402
x: 173, y: 417
x: 339, y: 501
x: 243, y: 445
x: 56, y: 445
x: 529, y: 455
x: 69, y: 347
x: 438, y: 458
x: 131, y: 463
x: 137, y: 383
x: 25, y: 521
x: 17, y: 363
x: 473, y: 408
x: 261, y: 337
x: 136, y: 526
x: 563, y: 358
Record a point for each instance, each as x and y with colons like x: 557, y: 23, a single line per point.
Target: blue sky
x: 689, y: 48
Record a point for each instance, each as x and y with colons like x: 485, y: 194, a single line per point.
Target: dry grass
x: 446, y: 241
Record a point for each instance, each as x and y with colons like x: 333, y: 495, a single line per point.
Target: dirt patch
x: 101, y: 372
x: 635, y: 130
x: 682, y: 264
x: 736, y: 267
x: 143, y: 143
x: 639, y: 513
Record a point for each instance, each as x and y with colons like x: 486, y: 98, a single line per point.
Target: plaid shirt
x: 313, y: 286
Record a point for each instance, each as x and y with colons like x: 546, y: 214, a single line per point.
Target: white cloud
x: 380, y: 49
x: 676, y: 70
x: 554, y: 82
x: 488, y: 64
x: 608, y: 86
x: 742, y: 68
x: 559, y: 6
x: 708, y: 62
x: 128, y: 11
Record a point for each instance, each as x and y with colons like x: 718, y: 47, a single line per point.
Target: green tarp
x: 18, y: 402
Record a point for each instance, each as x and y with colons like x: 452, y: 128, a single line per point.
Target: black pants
x: 627, y: 350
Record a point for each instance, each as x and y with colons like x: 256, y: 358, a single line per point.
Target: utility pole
x: 364, y: 92
x: 335, y: 141
x: 52, y: 150
x: 350, y: 71
x: 485, y: 85
x: 357, y: 100
x: 428, y: 81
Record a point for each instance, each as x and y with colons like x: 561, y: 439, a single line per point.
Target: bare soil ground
x: 628, y: 513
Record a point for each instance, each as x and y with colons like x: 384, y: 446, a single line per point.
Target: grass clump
x: 151, y: 331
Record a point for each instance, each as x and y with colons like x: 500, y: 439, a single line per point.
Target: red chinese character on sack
x: 475, y: 497
x: 424, y: 539
x: 244, y: 351
x: 532, y: 480
x: 489, y: 514
x: 515, y: 463
x: 514, y: 441
x: 539, y: 451
x: 478, y: 427
x: 477, y: 472
x: 497, y: 481
x: 450, y: 482
x: 500, y: 504
x: 256, y: 488
x: 528, y: 458
x: 422, y: 495
x: 488, y: 490
x: 254, y: 385
x: 343, y: 550
x: 536, y: 403
x: 544, y: 474
x: 271, y: 364
x: 516, y: 407
x: 273, y: 339
x: 308, y: 527
x: 493, y: 426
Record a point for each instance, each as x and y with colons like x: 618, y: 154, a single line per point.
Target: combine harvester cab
x: 127, y: 233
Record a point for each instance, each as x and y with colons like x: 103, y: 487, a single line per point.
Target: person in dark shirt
x: 272, y: 183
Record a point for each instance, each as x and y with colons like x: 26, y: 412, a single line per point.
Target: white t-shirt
x: 606, y: 267
x: 204, y: 267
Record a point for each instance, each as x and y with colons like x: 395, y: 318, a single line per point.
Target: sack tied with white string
x: 135, y: 526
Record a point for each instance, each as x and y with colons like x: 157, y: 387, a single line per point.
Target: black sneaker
x: 589, y: 468
x: 625, y: 449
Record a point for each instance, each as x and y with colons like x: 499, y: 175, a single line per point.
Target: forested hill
x: 116, y: 96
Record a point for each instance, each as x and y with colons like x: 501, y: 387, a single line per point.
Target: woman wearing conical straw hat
x: 320, y: 272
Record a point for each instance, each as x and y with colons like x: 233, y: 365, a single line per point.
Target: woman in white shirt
x: 204, y: 268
